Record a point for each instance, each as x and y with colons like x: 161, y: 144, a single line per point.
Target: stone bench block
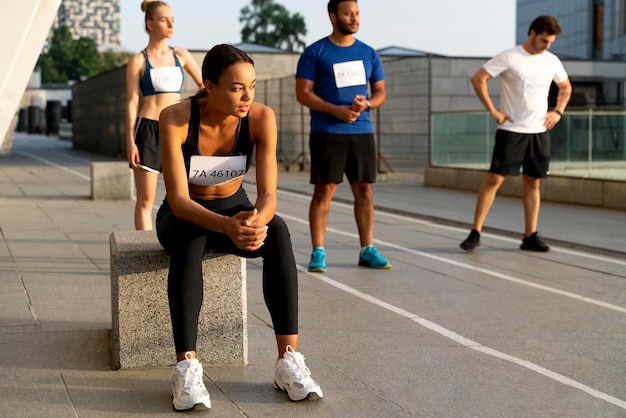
x: 141, y: 327
x: 111, y: 180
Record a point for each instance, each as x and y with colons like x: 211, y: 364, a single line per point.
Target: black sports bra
x: 243, y: 145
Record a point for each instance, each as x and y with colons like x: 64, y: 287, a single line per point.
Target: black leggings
x: 186, y: 242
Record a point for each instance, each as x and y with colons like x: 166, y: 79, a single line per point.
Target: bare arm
x: 379, y: 94
x: 133, y: 74
x: 190, y: 65
x: 306, y: 96
x: 377, y: 98
x: 562, y: 99
x: 264, y: 133
x: 479, y: 82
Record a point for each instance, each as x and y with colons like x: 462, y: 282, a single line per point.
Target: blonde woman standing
x: 156, y: 72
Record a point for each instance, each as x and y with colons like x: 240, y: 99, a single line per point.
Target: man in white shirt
x: 524, y: 121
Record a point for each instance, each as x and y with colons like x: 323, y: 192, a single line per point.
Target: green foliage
x: 110, y: 60
x: 75, y: 59
x: 270, y: 24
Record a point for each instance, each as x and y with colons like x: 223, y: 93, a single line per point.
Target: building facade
x: 96, y: 19
x: 592, y: 29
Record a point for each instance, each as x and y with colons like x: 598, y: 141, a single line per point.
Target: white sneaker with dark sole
x: 292, y: 376
x: 188, y: 390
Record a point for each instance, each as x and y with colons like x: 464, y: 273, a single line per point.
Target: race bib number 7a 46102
x: 215, y: 170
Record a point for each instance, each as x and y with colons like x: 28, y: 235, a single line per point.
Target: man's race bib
x: 214, y: 170
x: 348, y: 74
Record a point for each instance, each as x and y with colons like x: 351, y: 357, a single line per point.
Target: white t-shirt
x: 524, y: 86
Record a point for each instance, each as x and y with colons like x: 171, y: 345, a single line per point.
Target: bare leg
x: 486, y: 197
x: 282, y: 341
x: 364, y: 211
x: 318, y: 212
x: 185, y: 355
x: 146, y: 183
x: 532, y: 202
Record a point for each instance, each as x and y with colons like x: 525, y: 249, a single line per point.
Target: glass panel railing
x: 582, y: 143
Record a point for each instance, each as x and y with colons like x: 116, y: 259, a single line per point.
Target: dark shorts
x: 512, y: 150
x: 332, y: 155
x: 148, y: 144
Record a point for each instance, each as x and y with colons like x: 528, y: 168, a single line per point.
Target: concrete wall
x: 98, y: 114
x: 99, y: 104
x: 576, y: 18
x: 416, y: 86
x: 610, y: 194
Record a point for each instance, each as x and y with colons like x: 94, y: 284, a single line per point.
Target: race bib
x: 348, y: 74
x: 214, y: 171
x: 166, y: 79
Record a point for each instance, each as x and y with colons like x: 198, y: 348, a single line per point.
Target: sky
x: 464, y: 28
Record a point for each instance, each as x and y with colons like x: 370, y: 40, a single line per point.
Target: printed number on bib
x: 214, y: 171
x: 350, y: 73
x: 166, y: 79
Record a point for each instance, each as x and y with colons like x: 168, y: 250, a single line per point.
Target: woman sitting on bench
x: 208, y: 143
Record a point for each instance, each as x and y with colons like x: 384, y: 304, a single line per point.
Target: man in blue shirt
x: 332, y: 80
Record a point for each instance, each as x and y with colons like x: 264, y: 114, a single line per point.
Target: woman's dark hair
x: 333, y: 4
x: 217, y: 61
x: 545, y: 24
x: 219, y: 58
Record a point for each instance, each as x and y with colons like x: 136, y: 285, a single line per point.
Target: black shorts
x: 148, y: 144
x: 332, y: 155
x: 529, y: 151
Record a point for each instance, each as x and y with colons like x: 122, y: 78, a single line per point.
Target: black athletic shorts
x: 332, y: 155
x: 529, y: 151
x: 148, y: 144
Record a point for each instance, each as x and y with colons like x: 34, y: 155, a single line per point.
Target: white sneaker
x: 188, y: 390
x: 292, y: 376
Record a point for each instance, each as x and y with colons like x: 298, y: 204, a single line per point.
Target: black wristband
x: 559, y: 112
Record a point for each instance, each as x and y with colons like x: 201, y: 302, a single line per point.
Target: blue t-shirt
x: 339, y: 73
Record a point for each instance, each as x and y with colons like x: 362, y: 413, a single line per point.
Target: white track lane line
x: 467, y: 342
x: 53, y: 164
x: 473, y: 268
x: 409, y: 250
x: 431, y: 325
x: 456, y: 229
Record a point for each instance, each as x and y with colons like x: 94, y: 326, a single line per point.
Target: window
x: 598, y: 29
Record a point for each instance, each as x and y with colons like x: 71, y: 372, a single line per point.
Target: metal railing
x: 589, y: 143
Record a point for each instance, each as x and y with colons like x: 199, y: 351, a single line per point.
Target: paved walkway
x: 508, y: 333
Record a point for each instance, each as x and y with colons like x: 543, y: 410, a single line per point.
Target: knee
x: 278, y: 237
x: 145, y: 202
x: 323, y: 193
x: 531, y: 183
x: 493, y: 181
x: 277, y: 226
x: 362, y: 191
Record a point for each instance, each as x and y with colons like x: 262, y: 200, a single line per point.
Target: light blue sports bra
x: 163, y: 79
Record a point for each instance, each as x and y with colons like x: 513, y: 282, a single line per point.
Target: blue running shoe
x: 370, y: 257
x: 318, y: 261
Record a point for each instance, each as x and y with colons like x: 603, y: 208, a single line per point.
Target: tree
x: 74, y: 59
x: 270, y: 24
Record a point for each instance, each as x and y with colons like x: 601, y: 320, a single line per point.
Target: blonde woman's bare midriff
x: 152, y: 105
x: 215, y: 192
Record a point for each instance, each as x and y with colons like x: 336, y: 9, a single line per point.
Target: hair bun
x: 144, y: 4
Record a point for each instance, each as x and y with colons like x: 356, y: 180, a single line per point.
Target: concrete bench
x: 111, y: 180
x: 141, y: 327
